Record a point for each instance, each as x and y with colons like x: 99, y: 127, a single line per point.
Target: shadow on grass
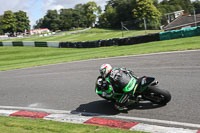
x: 102, y: 107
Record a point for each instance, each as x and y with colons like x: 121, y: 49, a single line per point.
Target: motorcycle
x: 145, y: 89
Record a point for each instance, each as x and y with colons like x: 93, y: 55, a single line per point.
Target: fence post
x: 195, y: 19
x: 122, y: 29
x: 145, y: 26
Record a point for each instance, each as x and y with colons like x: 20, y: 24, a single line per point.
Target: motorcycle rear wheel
x: 157, y: 96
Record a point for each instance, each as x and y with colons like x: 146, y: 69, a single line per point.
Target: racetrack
x: 70, y: 86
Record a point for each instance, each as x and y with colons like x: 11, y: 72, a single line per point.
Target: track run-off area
x: 70, y: 87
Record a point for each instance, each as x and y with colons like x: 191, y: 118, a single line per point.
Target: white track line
x: 159, y: 121
x: 160, y: 129
x: 144, y: 120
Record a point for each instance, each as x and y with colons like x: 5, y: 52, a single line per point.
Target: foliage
x: 1, y: 25
x: 14, y: 22
x: 90, y: 11
x: 66, y: 17
x: 107, y: 19
x: 51, y: 20
x: 83, y: 15
x: 116, y: 11
x: 196, y: 5
x: 168, y: 6
x: 39, y: 24
x: 9, y: 22
x: 146, y: 10
x: 22, y: 21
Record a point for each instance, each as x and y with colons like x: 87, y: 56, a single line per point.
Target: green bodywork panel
x: 130, y: 85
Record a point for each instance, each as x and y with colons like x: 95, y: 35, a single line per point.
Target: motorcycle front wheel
x: 157, y: 96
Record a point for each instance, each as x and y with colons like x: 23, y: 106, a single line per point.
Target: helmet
x: 105, y: 69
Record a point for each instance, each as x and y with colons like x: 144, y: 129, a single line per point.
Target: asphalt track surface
x: 70, y: 86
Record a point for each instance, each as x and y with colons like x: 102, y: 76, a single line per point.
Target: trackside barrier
x: 185, y: 32
x: 53, y: 44
x: 88, y: 44
x: 40, y: 44
x: 188, y: 32
x: 112, y: 42
x: 17, y: 43
x: 30, y: 44
x: 7, y: 44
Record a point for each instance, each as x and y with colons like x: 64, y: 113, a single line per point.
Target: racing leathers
x: 118, y: 81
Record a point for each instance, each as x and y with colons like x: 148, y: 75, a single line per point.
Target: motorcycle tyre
x: 166, y: 96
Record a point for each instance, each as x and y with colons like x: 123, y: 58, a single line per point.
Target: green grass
x: 25, y: 125
x: 21, y: 57
x: 90, y: 35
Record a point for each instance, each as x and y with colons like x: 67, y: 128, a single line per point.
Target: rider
x: 115, y: 80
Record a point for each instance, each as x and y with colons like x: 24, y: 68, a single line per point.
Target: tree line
x: 90, y: 14
x: 13, y: 22
x: 82, y: 15
x: 115, y: 12
x: 135, y: 11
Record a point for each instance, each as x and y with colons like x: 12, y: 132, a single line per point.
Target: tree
x: 1, y: 25
x: 66, y: 19
x: 168, y: 6
x: 117, y: 11
x: 91, y: 10
x: 146, y: 10
x: 86, y: 14
x: 186, y: 5
x: 51, y: 20
x: 22, y: 21
x: 9, y: 22
x: 83, y: 15
x: 39, y: 24
x: 156, y: 3
x: 81, y: 18
x: 108, y: 19
x: 196, y: 5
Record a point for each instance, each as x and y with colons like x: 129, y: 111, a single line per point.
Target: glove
x: 101, y: 83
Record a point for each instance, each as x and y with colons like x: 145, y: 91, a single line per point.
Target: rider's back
x: 119, y: 79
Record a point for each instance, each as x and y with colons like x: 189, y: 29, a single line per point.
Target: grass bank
x: 25, y: 125
x: 21, y: 57
x: 89, y: 35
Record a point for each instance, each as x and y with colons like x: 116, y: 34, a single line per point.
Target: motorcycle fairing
x: 144, y: 82
x: 130, y: 85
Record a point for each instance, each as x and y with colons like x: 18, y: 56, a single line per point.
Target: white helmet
x: 105, y: 69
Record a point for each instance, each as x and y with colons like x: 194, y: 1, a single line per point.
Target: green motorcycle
x: 143, y: 89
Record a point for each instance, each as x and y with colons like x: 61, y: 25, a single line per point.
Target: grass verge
x: 21, y: 57
x: 26, y: 125
x: 90, y: 35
